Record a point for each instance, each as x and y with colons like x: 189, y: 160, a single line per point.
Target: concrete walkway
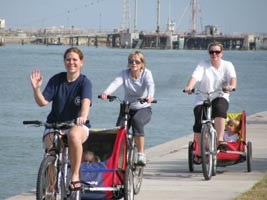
x: 167, y: 175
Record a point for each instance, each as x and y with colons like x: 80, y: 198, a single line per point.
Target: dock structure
x: 135, y: 40
x: 240, y: 42
x: 124, y: 37
x: 73, y: 40
x: 184, y: 41
x: 2, y: 41
x: 2, y: 26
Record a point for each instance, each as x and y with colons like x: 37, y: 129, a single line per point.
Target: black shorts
x: 219, y: 109
x: 137, y: 121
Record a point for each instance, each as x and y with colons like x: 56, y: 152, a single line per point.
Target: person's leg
x: 76, y: 137
x: 219, y: 113
x: 51, y: 172
x: 140, y: 143
x: 138, y: 121
x: 197, y: 132
x: 220, y: 127
x: 198, y: 141
x: 48, y: 140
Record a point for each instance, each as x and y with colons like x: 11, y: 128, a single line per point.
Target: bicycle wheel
x: 206, y: 152
x: 137, y: 171
x: 214, y: 154
x: 47, y: 179
x: 128, y: 184
x: 75, y: 195
x: 249, y: 156
x: 65, y: 180
x: 191, y: 156
x: 138, y: 177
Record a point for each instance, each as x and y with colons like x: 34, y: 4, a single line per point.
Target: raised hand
x: 36, y: 79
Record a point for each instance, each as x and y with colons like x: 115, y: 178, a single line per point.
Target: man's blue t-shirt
x: 66, y: 96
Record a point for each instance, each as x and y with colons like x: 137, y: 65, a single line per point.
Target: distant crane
x: 158, y: 16
x: 195, y: 6
x: 194, y: 12
x: 126, y: 17
x: 135, y: 16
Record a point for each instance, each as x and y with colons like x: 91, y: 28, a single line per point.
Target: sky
x: 231, y: 16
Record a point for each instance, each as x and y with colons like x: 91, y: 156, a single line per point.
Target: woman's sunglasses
x: 136, y: 61
x: 214, y: 52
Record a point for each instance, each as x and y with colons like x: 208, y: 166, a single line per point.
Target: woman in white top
x: 211, y: 75
x: 138, y: 83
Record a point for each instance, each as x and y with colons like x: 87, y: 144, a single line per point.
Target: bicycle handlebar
x: 195, y: 90
x: 55, y: 125
x: 112, y: 98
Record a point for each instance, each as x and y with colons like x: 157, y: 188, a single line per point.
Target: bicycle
x: 133, y: 172
x: 54, y: 172
x: 208, y: 136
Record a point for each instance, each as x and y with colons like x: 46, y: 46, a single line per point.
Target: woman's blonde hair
x: 140, y: 55
x: 236, y: 123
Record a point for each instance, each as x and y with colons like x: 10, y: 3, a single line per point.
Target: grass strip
x: 257, y: 192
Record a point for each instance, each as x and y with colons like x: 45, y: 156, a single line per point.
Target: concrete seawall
x: 167, y: 175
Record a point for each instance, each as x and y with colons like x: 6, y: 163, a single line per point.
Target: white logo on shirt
x: 77, y: 101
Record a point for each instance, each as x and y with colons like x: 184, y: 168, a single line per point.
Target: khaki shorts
x: 48, y: 136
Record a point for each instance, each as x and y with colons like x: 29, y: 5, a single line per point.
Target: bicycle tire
x: 128, y: 184
x: 137, y: 171
x: 249, y: 156
x: 43, y: 189
x: 206, y: 152
x: 214, y: 156
x: 138, y: 178
x: 75, y: 195
x: 191, y: 156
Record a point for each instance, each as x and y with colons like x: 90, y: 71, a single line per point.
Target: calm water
x: 21, y: 148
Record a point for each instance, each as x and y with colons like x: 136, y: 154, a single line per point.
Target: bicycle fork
x: 63, y: 167
x: 211, y: 138
x: 213, y: 141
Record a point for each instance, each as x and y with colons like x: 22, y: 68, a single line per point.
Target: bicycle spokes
x: 207, y: 151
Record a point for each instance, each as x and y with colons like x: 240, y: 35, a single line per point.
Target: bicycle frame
x: 130, y: 139
x: 208, y: 135
x: 125, y: 113
x: 57, y: 156
x: 133, y: 172
x: 63, y: 165
x: 208, y: 142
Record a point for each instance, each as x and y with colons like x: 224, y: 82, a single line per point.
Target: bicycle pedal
x: 140, y: 164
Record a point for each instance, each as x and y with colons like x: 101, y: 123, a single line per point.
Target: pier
x: 125, y: 37
x: 73, y: 40
x: 141, y: 40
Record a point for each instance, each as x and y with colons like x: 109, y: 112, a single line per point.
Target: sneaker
x: 141, y: 161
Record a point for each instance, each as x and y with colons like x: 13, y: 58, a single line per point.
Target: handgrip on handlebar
x: 143, y: 100
x: 109, y: 97
x: 224, y: 90
x: 32, y: 122
x: 192, y: 91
